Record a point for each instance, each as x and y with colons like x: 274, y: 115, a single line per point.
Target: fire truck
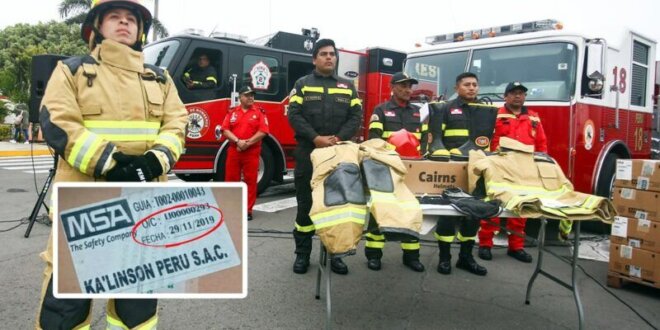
x: 270, y: 65
x: 595, y: 99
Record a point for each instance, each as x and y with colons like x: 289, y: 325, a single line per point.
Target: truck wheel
x: 604, y: 188
x: 219, y: 176
x: 266, y: 169
x: 605, y: 182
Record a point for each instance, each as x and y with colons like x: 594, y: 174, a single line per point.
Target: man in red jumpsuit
x: 244, y: 126
x: 515, y: 121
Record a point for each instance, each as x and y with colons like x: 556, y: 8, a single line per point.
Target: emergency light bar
x: 548, y: 24
x: 230, y: 36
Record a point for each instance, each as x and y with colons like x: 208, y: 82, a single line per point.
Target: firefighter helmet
x: 406, y: 144
x: 90, y: 32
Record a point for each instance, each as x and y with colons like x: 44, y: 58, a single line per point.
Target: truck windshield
x: 547, y: 70
x: 160, y: 54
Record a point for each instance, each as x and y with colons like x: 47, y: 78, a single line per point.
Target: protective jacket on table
x: 533, y: 185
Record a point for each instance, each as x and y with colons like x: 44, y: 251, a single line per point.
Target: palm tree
x: 75, y: 11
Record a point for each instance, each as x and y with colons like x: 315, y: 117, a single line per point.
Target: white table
x: 430, y: 215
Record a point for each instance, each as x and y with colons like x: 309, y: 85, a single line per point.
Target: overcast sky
x: 356, y: 24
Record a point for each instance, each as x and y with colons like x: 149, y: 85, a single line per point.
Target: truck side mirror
x: 596, y: 49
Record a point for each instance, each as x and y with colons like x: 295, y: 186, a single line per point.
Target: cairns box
x: 430, y: 177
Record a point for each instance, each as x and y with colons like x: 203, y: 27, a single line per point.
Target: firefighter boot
x: 338, y: 266
x: 301, y: 264
x: 437, y: 150
x: 411, y: 260
x: 466, y: 261
x: 481, y: 123
x: 444, y: 266
x: 374, y: 264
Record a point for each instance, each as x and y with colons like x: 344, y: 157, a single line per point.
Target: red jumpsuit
x: 525, y: 127
x: 244, y: 124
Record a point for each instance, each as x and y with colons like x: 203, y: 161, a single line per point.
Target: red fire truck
x: 595, y: 100
x: 271, y: 70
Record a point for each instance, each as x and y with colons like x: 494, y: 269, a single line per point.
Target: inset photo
x: 183, y: 240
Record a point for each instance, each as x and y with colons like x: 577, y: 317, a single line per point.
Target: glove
x: 143, y: 168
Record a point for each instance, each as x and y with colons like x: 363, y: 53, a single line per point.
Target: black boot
x: 338, y: 266
x: 437, y: 150
x: 466, y: 261
x: 444, y: 266
x: 413, y: 263
x: 481, y: 124
x: 374, y: 264
x: 301, y: 264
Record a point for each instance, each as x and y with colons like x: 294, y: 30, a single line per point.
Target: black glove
x: 143, y: 168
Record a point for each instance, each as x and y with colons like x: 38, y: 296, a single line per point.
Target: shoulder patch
x: 160, y: 73
x: 374, y: 117
x: 293, y: 92
x: 74, y: 62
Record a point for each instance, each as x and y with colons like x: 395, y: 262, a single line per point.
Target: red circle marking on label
x: 169, y: 245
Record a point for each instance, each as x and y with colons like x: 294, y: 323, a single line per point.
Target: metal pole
x: 539, y: 261
x: 154, y: 37
x: 574, y: 282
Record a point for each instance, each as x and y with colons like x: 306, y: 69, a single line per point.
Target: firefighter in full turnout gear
x: 109, y: 117
x: 457, y: 126
x: 387, y: 119
x: 515, y: 121
x: 202, y: 75
x: 323, y: 110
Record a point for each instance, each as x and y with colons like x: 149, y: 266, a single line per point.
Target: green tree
x: 75, y: 11
x: 18, y: 43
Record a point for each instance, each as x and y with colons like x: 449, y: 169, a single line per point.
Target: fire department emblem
x: 482, y: 141
x: 456, y: 111
x: 588, y: 134
x: 261, y: 75
x: 198, y: 123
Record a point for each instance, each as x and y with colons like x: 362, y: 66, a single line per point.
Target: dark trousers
x: 304, y: 229
x: 467, y: 227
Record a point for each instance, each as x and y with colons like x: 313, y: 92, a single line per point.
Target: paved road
x: 394, y: 298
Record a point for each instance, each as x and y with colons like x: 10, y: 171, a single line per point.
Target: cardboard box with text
x: 430, y: 177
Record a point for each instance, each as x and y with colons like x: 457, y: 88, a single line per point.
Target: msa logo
x: 97, y: 219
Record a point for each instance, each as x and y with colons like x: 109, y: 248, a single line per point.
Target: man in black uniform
x: 389, y: 117
x: 202, y: 75
x: 323, y: 110
x: 453, y: 125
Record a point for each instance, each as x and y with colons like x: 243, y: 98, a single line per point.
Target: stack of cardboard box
x: 635, y: 240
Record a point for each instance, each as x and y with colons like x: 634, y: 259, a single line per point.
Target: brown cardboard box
x: 641, y: 174
x: 634, y: 262
x: 637, y: 203
x: 429, y: 177
x: 644, y: 234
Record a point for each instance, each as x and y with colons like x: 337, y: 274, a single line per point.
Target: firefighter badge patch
x: 482, y: 141
x: 456, y: 111
x: 342, y: 85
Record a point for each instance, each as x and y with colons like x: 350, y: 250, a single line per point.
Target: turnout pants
x: 491, y: 227
x: 304, y: 228
x: 373, y: 248
x: 75, y: 313
x: 247, y: 163
x: 445, y: 231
